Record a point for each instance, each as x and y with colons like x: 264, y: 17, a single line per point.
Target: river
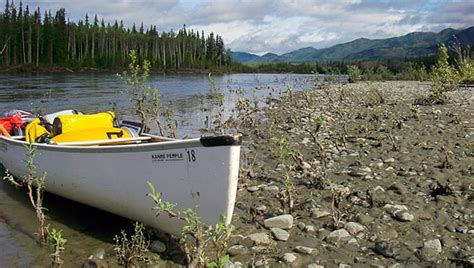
x: 84, y: 227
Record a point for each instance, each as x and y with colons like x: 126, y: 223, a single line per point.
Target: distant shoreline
x: 28, y: 69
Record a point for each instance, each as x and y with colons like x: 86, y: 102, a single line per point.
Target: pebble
x: 314, y: 265
x: 462, y: 229
x: 253, y: 188
x: 384, y: 249
x: 353, y: 242
x: 399, y: 188
x: 259, y: 238
x: 343, y: 265
x: 364, y: 219
x: 306, y: 250
x: 271, y: 188
x: 338, y: 235
x: 430, y: 250
x: 261, y: 263
x: 309, y: 229
x: 261, y: 208
x: 93, y: 262
x: 394, y: 208
x: 319, y: 213
x: 389, y: 160
x: 323, y: 233
x: 354, y: 228
x: 289, y: 258
x: 237, y: 250
x: 388, y: 235
x: 282, y: 221
x: 99, y: 253
x: 377, y: 164
x: 237, y: 265
x: 360, y: 172
x: 157, y: 246
x: 305, y: 165
x: 280, y: 234
x: 403, y: 216
x: 301, y: 225
x: 379, y: 188
x: 447, y: 241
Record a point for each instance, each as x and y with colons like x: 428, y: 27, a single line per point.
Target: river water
x: 87, y: 228
x: 184, y: 95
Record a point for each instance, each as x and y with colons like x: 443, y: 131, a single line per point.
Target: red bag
x: 10, y: 123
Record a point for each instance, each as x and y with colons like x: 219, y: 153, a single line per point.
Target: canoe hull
x: 114, y: 178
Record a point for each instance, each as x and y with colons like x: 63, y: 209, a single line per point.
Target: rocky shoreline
x: 352, y: 175
x: 376, y: 180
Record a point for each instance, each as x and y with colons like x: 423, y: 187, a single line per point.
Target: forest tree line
x: 390, y: 69
x: 34, y: 38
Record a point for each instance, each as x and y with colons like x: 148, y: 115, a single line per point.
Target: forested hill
x: 412, y: 45
x: 34, y: 38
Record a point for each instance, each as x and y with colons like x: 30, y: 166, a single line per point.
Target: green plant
x: 145, y: 99
x: 465, y: 64
x: 220, y: 234
x: 214, y: 93
x: 57, y: 242
x: 35, y: 189
x: 283, y: 155
x: 36, y: 196
x: 443, y: 76
x: 196, y: 236
x: 354, y: 73
x: 316, y: 129
x: 131, y: 251
x: 336, y: 214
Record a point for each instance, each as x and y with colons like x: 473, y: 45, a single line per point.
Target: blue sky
x: 260, y: 26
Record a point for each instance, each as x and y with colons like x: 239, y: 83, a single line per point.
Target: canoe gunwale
x: 159, y: 143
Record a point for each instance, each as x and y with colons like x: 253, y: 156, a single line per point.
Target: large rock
x: 259, y: 238
x: 319, y: 213
x: 237, y: 250
x: 93, y: 262
x: 282, y: 221
x: 431, y: 250
x: 338, y: 235
x: 360, y: 171
x: 157, y: 246
x: 364, y: 219
x: 403, y: 216
x: 280, y: 234
x: 383, y: 248
x: 315, y: 265
x: 354, y: 228
x: 290, y: 259
x: 306, y: 250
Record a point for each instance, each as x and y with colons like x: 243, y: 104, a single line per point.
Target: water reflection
x: 182, y: 94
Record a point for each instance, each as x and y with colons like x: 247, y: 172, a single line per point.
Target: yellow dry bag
x: 94, y: 134
x: 34, y: 130
x: 77, y: 122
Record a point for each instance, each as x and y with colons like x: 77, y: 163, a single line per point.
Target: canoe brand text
x: 167, y: 157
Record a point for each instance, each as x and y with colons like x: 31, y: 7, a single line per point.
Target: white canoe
x: 198, y: 173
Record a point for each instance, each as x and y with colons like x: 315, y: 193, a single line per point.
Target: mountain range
x: 411, y: 45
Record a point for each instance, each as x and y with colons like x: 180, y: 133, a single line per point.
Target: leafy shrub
x: 354, y: 73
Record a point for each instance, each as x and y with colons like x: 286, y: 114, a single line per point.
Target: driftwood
x: 5, y: 46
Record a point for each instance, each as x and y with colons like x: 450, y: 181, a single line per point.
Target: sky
x: 261, y: 26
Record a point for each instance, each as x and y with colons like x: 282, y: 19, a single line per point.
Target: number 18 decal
x: 191, y: 155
